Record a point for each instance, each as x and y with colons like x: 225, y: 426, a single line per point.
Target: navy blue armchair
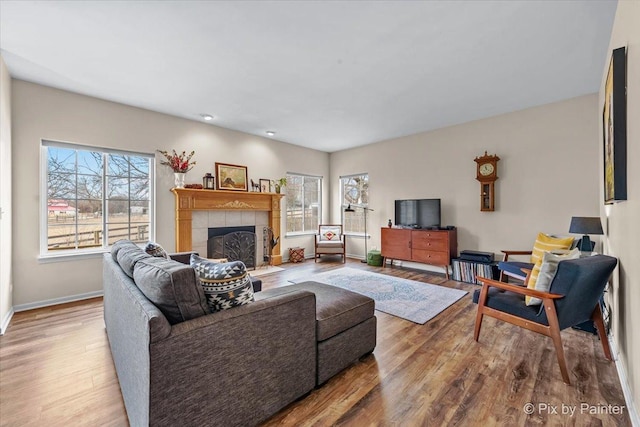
x: 573, y: 298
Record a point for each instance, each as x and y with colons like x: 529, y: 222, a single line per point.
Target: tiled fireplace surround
x: 203, y: 220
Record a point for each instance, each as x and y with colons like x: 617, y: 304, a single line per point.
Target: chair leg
x: 481, y: 303
x: 599, y: 321
x: 554, y: 329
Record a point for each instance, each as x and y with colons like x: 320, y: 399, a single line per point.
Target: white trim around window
x: 92, y: 196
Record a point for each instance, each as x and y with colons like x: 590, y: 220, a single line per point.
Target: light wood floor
x: 56, y: 370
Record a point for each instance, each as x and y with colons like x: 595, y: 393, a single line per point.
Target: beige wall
x: 42, y: 112
x: 548, y: 173
x: 5, y: 197
x: 622, y: 220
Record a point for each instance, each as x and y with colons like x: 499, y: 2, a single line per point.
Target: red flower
x: 178, y: 162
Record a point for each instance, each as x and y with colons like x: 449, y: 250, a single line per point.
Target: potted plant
x: 279, y: 183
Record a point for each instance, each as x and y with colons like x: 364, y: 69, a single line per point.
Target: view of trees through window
x: 303, y: 203
x: 355, y: 192
x: 95, y: 198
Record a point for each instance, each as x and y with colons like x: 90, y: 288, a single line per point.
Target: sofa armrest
x: 183, y: 257
x: 225, y: 359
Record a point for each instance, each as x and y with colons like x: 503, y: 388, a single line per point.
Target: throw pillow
x: 154, y: 249
x: 171, y: 286
x: 547, y: 271
x: 547, y: 243
x: 226, y: 285
x: 330, y: 233
x: 127, y: 254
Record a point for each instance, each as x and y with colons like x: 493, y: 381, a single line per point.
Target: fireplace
x: 233, y: 243
x: 196, y: 210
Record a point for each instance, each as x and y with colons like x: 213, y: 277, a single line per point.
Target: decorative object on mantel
x: 265, y: 186
x: 179, y: 163
x: 231, y: 177
x: 614, y: 128
x: 279, y: 184
x: 193, y: 186
x: 208, y: 182
x: 255, y: 186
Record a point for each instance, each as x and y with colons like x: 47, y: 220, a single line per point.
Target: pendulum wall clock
x: 487, y: 174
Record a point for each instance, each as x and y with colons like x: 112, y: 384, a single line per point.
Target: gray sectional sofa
x: 178, y: 364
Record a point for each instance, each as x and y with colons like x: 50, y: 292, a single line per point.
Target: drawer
x: 438, y: 245
x: 430, y: 257
x: 429, y: 235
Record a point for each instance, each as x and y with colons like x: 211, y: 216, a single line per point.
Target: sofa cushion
x: 337, y: 309
x: 226, y: 285
x: 127, y: 254
x: 172, y: 287
x: 154, y: 249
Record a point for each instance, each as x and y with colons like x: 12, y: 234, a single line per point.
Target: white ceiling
x: 325, y: 75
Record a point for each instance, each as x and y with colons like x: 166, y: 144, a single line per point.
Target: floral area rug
x: 417, y: 302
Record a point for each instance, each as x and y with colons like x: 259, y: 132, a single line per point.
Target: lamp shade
x: 586, y: 225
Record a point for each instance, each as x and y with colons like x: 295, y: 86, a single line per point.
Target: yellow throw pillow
x: 546, y: 243
x: 545, y: 271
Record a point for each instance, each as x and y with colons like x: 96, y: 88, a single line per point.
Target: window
x: 94, y: 197
x: 354, y: 191
x: 304, y: 209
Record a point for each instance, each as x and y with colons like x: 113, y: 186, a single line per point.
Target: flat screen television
x: 418, y: 213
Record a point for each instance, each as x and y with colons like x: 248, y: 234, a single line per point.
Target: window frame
x: 304, y: 232
x: 344, y: 204
x: 46, y: 255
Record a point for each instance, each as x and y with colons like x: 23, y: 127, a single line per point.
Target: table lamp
x: 585, y: 225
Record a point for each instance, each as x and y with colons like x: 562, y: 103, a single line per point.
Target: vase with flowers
x: 180, y: 163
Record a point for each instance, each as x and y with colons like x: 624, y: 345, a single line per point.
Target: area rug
x: 414, y: 301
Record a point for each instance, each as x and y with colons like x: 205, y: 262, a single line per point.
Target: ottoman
x: 345, y: 327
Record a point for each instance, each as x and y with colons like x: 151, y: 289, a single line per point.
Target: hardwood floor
x: 56, y: 369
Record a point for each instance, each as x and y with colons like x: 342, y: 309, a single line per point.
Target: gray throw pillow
x: 226, y: 285
x: 172, y: 287
x: 548, y: 271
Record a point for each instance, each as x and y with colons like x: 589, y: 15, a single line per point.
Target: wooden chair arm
x: 507, y: 253
x: 516, y: 289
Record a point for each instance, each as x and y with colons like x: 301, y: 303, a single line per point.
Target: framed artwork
x: 614, y: 129
x: 231, y: 177
x: 265, y: 185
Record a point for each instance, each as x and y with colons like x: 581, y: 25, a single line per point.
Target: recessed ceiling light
x: 270, y: 133
x: 207, y: 117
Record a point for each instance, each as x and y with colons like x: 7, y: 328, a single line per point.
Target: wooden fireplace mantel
x: 189, y: 200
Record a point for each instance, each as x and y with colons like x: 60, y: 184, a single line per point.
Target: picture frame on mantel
x: 614, y: 128
x: 231, y: 177
x: 265, y: 185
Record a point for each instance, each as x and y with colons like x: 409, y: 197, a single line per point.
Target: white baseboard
x: 624, y: 382
x: 56, y: 301
x: 5, y: 322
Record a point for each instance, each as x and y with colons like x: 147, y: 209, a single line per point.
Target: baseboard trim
x: 56, y: 301
x: 5, y: 322
x: 624, y: 382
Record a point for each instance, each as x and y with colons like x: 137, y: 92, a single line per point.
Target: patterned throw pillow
x: 330, y: 234
x: 546, y: 272
x: 154, y: 249
x: 226, y: 285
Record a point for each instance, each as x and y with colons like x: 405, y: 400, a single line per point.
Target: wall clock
x: 487, y: 174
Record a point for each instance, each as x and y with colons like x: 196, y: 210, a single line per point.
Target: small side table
x: 296, y: 254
